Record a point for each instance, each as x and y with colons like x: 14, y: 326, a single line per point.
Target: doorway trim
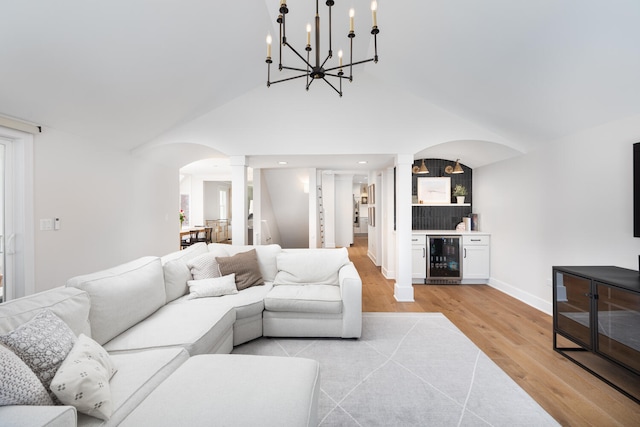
x: 22, y: 245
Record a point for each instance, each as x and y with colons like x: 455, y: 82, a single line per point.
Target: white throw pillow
x: 83, y: 379
x: 215, y: 287
x: 204, y: 266
x: 18, y: 384
x: 42, y: 343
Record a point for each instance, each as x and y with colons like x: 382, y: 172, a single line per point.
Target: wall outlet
x: 549, y: 282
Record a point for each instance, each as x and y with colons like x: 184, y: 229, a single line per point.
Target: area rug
x: 408, y: 369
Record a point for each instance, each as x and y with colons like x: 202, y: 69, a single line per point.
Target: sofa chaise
x: 168, y: 340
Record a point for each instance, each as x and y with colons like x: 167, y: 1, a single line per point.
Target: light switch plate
x: 46, y: 224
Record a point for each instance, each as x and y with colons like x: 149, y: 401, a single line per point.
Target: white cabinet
x: 476, y: 260
x: 418, y: 258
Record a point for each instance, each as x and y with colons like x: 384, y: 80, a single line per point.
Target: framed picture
x: 372, y: 216
x: 364, y: 200
x: 434, y: 190
x: 372, y: 193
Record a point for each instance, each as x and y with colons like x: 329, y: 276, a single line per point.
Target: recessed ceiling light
x: 362, y: 162
x: 282, y: 162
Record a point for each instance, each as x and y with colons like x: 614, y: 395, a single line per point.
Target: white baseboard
x: 403, y: 293
x: 372, y: 257
x: 388, y: 274
x: 532, y: 300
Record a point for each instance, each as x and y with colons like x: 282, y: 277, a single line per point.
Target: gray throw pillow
x: 245, y: 266
x: 18, y: 384
x: 42, y: 343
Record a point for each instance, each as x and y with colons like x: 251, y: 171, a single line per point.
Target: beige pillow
x: 83, y: 379
x: 245, y: 266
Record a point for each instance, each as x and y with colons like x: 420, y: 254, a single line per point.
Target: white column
x: 388, y: 232
x: 313, y: 208
x: 329, y: 204
x: 257, y: 206
x: 403, y: 289
x: 239, y: 208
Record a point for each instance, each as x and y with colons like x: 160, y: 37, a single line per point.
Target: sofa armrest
x: 351, y: 291
x: 38, y: 416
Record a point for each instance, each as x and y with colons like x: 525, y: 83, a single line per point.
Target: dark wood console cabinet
x: 596, y: 323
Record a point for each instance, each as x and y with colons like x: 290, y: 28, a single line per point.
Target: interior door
x: 3, y: 261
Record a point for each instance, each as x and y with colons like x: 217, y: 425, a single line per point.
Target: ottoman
x: 234, y: 390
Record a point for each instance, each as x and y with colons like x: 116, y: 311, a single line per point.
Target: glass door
x: 573, y: 302
x: 444, y: 258
x: 619, y: 325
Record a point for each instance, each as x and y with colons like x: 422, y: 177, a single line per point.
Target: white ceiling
x: 477, y: 80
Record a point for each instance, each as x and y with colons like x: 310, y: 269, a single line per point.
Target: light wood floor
x: 517, y: 337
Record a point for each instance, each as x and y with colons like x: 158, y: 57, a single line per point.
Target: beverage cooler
x: 445, y: 262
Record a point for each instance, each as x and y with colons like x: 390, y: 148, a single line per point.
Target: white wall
x: 268, y: 231
x: 344, y: 210
x: 290, y: 204
x: 569, y: 203
x: 113, y: 207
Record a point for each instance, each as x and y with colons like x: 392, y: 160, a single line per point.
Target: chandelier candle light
x: 318, y: 71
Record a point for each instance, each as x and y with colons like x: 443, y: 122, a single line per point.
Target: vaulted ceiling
x: 476, y: 80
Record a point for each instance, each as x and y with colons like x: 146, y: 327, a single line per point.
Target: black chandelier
x: 318, y: 71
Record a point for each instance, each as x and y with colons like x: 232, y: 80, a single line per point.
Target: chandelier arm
x: 355, y: 63
x: 309, y: 83
x: 295, y: 69
x: 338, y: 76
x: 299, y: 56
x: 332, y: 86
x: 351, y: 36
x: 288, y: 78
x: 326, y: 59
x: 330, y: 25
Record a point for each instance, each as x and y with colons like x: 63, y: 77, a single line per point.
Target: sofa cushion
x: 176, y: 272
x: 69, y: 304
x: 38, y: 416
x: 42, y: 343
x: 266, y: 256
x: 122, y: 296
x: 204, y: 266
x: 310, y: 266
x: 19, y: 385
x: 245, y: 267
x: 214, y: 287
x: 304, y: 299
x: 248, y: 302
x: 83, y: 379
x: 195, y: 327
x: 235, y: 390
x: 139, y: 372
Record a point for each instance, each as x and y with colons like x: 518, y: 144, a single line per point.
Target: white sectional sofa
x: 169, y: 348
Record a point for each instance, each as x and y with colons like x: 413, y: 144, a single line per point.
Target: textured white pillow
x: 42, y: 343
x: 215, y: 287
x: 18, y: 384
x: 204, y: 266
x: 83, y: 379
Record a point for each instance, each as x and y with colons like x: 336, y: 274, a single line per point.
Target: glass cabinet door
x: 619, y: 325
x: 573, y: 299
